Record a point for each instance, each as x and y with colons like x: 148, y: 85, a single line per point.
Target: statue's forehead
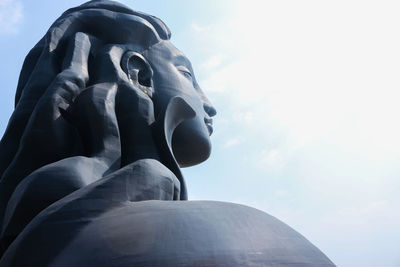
x: 167, y: 52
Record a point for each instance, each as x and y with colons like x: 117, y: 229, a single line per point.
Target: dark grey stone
x: 107, y: 110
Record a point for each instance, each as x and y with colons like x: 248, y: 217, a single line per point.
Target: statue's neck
x: 135, y: 115
x: 137, y: 142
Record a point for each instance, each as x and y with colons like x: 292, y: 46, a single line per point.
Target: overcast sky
x: 307, y: 94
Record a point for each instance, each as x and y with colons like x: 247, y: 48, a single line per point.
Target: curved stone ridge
x: 165, y: 233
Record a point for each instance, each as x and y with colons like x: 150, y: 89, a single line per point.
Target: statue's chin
x: 191, y: 143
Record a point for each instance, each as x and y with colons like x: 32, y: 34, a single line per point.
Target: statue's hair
x: 112, y: 15
x: 108, y: 22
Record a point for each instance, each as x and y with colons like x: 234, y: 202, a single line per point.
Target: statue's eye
x: 186, y: 72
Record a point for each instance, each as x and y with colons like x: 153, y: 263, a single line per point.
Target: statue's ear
x: 139, y: 71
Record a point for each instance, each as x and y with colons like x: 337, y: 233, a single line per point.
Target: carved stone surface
x: 107, y: 111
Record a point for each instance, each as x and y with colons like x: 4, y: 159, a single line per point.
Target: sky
x: 307, y: 94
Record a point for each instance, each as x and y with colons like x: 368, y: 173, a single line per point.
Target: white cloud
x: 315, y: 75
x: 11, y: 16
x: 312, y: 87
x: 246, y: 117
x: 232, y: 142
x: 212, y: 62
x: 270, y: 160
x: 198, y: 28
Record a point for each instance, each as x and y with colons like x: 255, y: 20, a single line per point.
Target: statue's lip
x: 209, y: 122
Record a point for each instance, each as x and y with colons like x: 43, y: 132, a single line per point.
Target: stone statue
x: 107, y: 110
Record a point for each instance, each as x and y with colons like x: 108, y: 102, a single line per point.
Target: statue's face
x: 174, y: 76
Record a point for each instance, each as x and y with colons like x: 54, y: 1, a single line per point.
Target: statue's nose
x: 210, y: 110
x: 207, y: 106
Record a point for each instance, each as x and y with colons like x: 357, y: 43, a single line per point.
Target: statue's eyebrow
x: 181, y: 60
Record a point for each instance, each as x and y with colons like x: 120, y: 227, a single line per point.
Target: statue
x: 107, y: 110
